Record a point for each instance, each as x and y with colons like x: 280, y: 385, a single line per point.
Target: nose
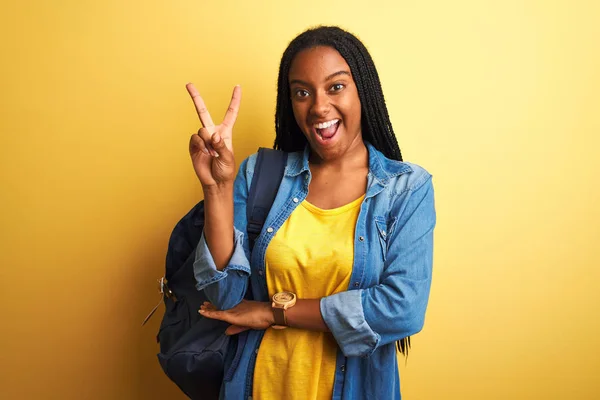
x: 320, y: 106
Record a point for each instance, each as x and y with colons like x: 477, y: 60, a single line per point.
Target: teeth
x: 327, y: 124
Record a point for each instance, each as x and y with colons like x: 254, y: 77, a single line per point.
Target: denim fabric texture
x: 389, y: 287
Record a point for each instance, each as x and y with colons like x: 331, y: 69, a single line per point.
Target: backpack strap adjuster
x: 163, y: 288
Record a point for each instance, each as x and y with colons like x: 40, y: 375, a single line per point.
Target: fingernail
x: 216, y: 138
x: 201, y: 311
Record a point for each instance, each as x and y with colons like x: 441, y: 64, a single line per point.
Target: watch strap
x: 279, y: 316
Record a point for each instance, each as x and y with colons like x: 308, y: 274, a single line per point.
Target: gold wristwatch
x: 281, y: 302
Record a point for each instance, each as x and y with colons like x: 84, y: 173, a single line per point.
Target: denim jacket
x: 389, y: 287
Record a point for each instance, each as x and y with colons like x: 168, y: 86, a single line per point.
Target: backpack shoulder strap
x: 268, y: 172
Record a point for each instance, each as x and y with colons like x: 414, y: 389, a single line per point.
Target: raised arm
x: 211, y: 150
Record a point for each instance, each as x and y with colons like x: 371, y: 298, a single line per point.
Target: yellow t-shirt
x: 311, y: 255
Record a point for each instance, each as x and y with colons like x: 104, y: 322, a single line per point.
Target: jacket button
x: 270, y: 230
x: 260, y: 272
x: 343, y: 368
x: 361, y: 238
x: 295, y: 200
x: 356, y: 284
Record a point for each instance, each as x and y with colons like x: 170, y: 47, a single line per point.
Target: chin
x: 326, y: 154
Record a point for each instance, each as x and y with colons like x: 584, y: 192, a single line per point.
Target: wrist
x: 281, y: 302
x: 269, y: 317
x: 218, y: 191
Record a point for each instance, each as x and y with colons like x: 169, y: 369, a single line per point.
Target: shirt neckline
x: 333, y: 211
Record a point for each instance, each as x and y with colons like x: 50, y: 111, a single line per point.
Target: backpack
x: 193, y: 348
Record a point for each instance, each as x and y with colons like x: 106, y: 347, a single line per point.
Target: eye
x: 337, y: 87
x: 301, y: 93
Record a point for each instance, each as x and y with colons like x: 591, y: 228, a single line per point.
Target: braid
x: 375, y: 121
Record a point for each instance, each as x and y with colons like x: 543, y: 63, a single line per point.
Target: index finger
x: 201, y: 109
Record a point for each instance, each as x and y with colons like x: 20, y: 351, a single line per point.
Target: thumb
x: 218, y: 144
x: 235, y: 329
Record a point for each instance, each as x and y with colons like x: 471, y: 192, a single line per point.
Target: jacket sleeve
x: 226, y: 288
x: 363, y: 320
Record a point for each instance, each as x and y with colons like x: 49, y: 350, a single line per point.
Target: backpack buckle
x: 163, y: 288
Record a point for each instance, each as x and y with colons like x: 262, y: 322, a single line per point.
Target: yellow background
x: 499, y: 100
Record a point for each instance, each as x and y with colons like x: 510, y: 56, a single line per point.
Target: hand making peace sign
x: 212, y: 149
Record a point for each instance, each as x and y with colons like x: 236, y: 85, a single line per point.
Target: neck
x: 356, y: 156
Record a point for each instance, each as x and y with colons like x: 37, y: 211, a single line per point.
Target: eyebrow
x: 326, y: 79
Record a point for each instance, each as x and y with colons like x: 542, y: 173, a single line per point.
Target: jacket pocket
x: 384, y: 230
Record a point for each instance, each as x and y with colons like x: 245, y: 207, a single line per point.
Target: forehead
x: 316, y: 64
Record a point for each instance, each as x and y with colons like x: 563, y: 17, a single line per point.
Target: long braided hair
x: 375, y: 121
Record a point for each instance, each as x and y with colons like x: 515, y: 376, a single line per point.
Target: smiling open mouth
x: 327, y: 130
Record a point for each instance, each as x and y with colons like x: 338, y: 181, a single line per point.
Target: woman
x: 344, y: 260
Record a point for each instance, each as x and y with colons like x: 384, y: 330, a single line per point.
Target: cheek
x: 353, y: 109
x: 299, y: 113
x: 357, y: 111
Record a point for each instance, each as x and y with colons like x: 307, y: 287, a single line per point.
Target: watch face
x: 283, y: 297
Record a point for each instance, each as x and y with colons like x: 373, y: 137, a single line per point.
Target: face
x: 325, y: 102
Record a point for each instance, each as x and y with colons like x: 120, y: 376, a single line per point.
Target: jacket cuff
x: 343, y: 313
x: 205, y: 269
